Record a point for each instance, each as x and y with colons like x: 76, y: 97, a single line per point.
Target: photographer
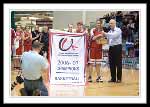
x: 35, y: 71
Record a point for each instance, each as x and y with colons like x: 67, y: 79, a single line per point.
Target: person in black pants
x: 115, y: 51
x: 115, y: 61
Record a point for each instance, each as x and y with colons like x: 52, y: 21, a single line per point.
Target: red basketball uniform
x: 27, y: 42
x: 19, y: 50
x: 12, y: 36
x: 95, y: 49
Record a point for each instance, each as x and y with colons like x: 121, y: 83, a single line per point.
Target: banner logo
x: 63, y: 41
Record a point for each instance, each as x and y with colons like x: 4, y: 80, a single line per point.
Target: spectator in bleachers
x: 131, y: 28
x: 125, y: 21
x: 136, y: 21
x: 136, y: 47
x: 119, y: 16
x: 129, y: 48
x: 112, y: 15
x: 106, y: 25
x: 124, y: 32
x: 107, y: 18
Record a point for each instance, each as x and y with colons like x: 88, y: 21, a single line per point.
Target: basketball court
x: 128, y: 87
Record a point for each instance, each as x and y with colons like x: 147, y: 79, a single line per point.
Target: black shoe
x: 89, y: 79
x: 118, y: 81
x: 111, y: 81
x: 99, y: 79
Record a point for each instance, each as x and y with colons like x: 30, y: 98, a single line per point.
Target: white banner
x: 67, y: 58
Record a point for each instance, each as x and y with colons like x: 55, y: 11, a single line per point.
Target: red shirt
x: 93, y: 42
x: 19, y: 34
x: 27, y: 41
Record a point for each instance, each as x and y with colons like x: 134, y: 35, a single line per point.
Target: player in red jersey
x: 19, y: 40
x: 27, y: 39
x: 95, y: 50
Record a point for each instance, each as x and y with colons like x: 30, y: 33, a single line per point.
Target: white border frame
x: 69, y: 7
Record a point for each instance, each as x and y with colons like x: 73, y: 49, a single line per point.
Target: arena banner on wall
x: 67, y: 58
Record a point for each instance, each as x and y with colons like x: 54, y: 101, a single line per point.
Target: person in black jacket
x: 44, y: 39
x: 35, y: 34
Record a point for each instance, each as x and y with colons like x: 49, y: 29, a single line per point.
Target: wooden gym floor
x: 128, y: 87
